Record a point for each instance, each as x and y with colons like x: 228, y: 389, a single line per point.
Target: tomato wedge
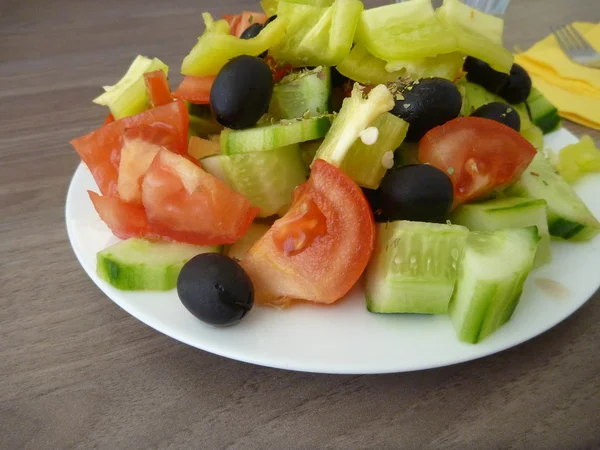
x: 158, y: 88
x: 184, y: 202
x: 195, y: 89
x: 125, y: 220
x: 239, y: 23
x: 479, y: 155
x: 109, y: 119
x: 320, y: 248
x: 100, y: 150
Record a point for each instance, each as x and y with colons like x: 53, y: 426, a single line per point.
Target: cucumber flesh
x: 356, y: 115
x: 139, y: 265
x: 267, y: 179
x: 504, y: 213
x: 490, y: 280
x: 413, y: 268
x: 129, y: 95
x: 302, y: 94
x: 543, y: 113
x: 308, y: 150
x: 239, y: 249
x: 364, y: 163
x: 270, y: 137
x: 568, y: 217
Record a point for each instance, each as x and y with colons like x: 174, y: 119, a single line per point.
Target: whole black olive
x: 500, y: 112
x: 215, y: 289
x: 241, y: 92
x: 427, y: 103
x: 481, y: 73
x: 418, y: 192
x: 518, y: 86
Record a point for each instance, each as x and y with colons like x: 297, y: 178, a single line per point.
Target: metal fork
x: 576, y: 47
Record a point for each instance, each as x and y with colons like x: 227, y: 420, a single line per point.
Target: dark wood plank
x: 78, y: 372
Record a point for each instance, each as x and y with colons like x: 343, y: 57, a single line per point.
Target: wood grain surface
x: 76, y: 371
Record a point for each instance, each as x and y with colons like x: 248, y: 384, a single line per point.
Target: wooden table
x: 78, y: 372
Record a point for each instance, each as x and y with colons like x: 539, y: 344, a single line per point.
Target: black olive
x: 427, y: 103
x: 500, y: 112
x: 215, y: 289
x: 270, y: 19
x: 373, y: 198
x: 481, y: 73
x: 241, y: 92
x: 418, y: 192
x: 252, y: 31
x: 518, y: 86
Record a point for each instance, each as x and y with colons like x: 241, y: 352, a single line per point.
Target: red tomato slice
x: 239, y: 23
x: 158, y: 88
x: 125, y: 220
x: 479, y: 155
x: 100, y: 150
x: 320, y: 248
x: 195, y: 89
x: 109, y: 119
x: 186, y: 203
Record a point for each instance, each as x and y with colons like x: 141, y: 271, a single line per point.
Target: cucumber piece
x: 535, y: 136
x: 239, y: 249
x: 302, y: 94
x: 139, y: 265
x: 490, y: 280
x: 413, y: 268
x: 267, y: 179
x: 129, y: 96
x: 575, y: 160
x: 568, y: 217
x: 270, y: 137
x: 356, y: 115
x: 543, y: 113
x: 308, y: 150
x: 363, y: 163
x: 504, y: 213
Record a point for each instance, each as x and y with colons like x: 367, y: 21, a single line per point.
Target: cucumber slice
x: 413, y: 268
x: 239, y: 249
x: 356, y: 115
x: 302, y: 94
x: 129, y: 96
x: 504, y: 213
x: 308, y: 150
x: 543, y: 113
x: 270, y: 137
x: 568, y: 217
x: 267, y: 179
x: 139, y: 265
x: 490, y: 280
x: 364, y: 163
x: 535, y: 136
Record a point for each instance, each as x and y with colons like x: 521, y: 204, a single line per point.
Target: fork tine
x: 577, y: 37
x: 563, y: 44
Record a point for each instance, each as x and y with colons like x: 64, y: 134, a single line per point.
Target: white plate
x: 345, y: 338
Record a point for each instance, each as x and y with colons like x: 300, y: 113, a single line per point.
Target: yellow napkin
x: 574, y: 89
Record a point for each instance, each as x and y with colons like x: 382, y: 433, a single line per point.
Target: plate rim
x: 305, y: 367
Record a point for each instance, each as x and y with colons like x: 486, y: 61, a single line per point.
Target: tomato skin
x: 109, y: 119
x: 331, y: 262
x: 158, y: 88
x: 187, y: 204
x: 195, y: 89
x: 479, y: 155
x: 100, y: 150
